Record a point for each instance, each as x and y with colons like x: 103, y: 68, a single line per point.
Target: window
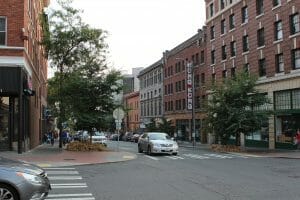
x: 197, y: 80
x: 202, y: 78
x: 259, y: 7
x: 296, y: 59
x: 2, y: 31
x: 276, y: 2
x: 246, y: 67
x: 279, y: 63
x: 202, y: 56
x: 212, y: 32
x: 213, y: 78
x: 245, y: 43
x: 231, y: 21
x: 211, y: 9
x: 224, y: 55
x: 213, y: 59
x: 260, y: 37
x: 224, y: 74
x: 294, y: 23
x: 232, y: 72
x: 223, y: 26
x: 262, y: 67
x: 245, y: 14
x: 278, y: 30
x: 183, y: 84
x: 222, y: 3
x: 183, y: 104
x: 233, y: 48
x: 197, y: 58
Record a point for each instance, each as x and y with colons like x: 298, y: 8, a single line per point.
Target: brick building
x: 132, y: 117
x: 23, y: 74
x: 151, y: 92
x: 263, y: 38
x: 177, y: 101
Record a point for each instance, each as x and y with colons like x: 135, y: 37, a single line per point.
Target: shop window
x: 262, y: 134
x: 296, y: 99
x: 283, y: 100
x: 2, y: 31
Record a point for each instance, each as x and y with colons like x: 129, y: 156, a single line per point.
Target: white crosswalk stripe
x: 196, y: 156
x: 67, y: 184
x: 175, y: 157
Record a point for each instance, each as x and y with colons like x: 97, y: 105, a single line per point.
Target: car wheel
x: 8, y: 192
x: 174, y: 154
x: 140, y: 150
x: 149, y: 151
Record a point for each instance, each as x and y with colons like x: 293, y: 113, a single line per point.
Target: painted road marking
x: 153, y: 158
x: 175, y: 157
x: 217, y: 155
x: 81, y: 198
x: 65, y: 177
x: 70, y: 195
x: 62, y: 172
x: 58, y: 168
x: 68, y: 185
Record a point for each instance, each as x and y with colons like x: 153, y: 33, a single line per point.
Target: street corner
x: 129, y: 156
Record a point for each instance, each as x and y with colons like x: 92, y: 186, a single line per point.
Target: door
x: 4, y: 123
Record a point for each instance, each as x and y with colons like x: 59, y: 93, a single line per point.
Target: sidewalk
x: 46, y: 155
x: 250, y: 151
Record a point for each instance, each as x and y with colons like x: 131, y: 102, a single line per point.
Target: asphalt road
x: 194, y: 174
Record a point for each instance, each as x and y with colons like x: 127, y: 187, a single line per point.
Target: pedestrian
x: 51, y: 137
x: 297, y: 139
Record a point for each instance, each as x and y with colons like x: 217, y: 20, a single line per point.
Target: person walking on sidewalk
x: 297, y: 139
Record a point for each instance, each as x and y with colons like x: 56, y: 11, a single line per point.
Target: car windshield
x: 159, y: 136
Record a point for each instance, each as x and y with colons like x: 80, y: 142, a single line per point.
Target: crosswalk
x: 67, y: 184
x: 195, y: 156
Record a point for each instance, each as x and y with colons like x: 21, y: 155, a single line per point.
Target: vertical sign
x: 189, y: 84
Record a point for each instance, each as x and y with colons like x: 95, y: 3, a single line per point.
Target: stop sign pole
x: 118, y: 115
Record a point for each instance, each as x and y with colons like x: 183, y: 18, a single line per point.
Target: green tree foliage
x: 82, y: 86
x: 236, y: 106
x: 151, y: 127
x: 166, y: 127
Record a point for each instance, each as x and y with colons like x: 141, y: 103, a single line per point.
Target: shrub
x: 85, y: 146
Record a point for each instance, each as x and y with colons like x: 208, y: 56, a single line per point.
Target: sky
x: 139, y: 31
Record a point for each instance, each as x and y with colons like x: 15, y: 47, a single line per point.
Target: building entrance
x: 4, y: 123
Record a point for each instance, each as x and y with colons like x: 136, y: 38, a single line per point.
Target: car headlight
x: 30, y: 178
x: 156, y: 145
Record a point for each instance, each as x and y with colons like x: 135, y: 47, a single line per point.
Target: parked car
x: 157, y: 142
x: 135, y: 138
x: 127, y: 136
x: 22, y: 181
x: 99, y: 138
x: 81, y: 136
x: 114, y: 137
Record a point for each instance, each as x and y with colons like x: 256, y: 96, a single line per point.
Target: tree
x: 82, y: 87
x: 151, y: 127
x: 166, y: 126
x: 236, y: 107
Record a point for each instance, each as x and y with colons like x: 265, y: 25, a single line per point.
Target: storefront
x: 287, y: 117
x: 183, y: 129
x: 14, y: 108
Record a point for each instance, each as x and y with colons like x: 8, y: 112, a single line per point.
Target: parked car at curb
x: 157, y: 142
x: 135, y: 138
x: 22, y: 181
x: 99, y: 138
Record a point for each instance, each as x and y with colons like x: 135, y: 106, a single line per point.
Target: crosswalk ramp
x: 67, y: 184
x: 196, y: 156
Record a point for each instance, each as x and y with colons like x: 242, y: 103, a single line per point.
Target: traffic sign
x: 118, y: 114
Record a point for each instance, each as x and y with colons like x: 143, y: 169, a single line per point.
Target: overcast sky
x: 141, y: 30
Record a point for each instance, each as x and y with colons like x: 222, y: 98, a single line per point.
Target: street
x: 193, y: 174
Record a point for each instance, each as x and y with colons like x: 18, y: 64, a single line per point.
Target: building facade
x: 151, y: 93
x: 23, y: 74
x: 183, y: 65
x: 132, y: 117
x: 263, y: 38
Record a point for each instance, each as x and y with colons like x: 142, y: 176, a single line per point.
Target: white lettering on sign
x: 189, y: 83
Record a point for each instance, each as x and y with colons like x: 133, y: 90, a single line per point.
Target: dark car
x: 22, y: 181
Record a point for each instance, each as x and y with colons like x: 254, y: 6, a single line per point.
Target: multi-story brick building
x: 23, y: 74
x: 178, y: 101
x: 151, y: 89
x: 132, y: 117
x: 263, y: 38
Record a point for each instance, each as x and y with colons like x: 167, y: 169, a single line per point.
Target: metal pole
x: 193, y: 108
